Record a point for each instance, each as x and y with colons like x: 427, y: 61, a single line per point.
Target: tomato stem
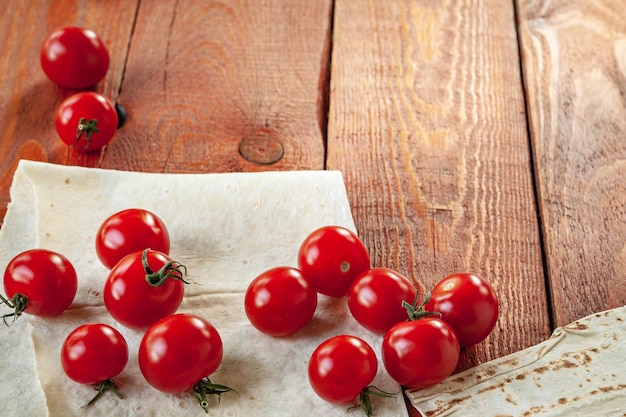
x: 205, y: 387
x: 18, y: 304
x: 365, y: 401
x: 171, y: 269
x: 102, y: 387
x: 417, y: 312
x: 88, y: 128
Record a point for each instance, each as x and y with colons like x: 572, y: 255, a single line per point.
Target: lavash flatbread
x: 226, y: 228
x: 579, y: 371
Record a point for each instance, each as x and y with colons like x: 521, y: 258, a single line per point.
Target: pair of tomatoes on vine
x: 77, y: 59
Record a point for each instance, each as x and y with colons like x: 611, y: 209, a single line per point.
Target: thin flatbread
x: 226, y: 229
x: 578, y: 371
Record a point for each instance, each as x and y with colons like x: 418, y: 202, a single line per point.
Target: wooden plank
x: 427, y: 123
x: 27, y: 98
x: 575, y: 70
x: 203, y: 75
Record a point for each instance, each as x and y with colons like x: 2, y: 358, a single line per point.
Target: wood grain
x: 427, y: 123
x: 575, y: 69
x: 203, y: 75
x: 28, y: 100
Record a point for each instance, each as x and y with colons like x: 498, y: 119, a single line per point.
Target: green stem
x: 171, y: 269
x: 18, y: 304
x: 205, y: 387
x: 88, y: 127
x: 365, y: 401
x: 417, y: 312
x: 102, y: 387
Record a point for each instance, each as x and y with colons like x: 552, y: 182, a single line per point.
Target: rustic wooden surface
x: 481, y: 135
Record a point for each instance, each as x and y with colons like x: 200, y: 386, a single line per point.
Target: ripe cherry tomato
x: 375, y: 298
x: 74, y: 58
x: 144, y: 287
x: 280, y: 301
x: 93, y: 353
x: 86, y: 121
x: 341, y: 367
x: 331, y: 257
x: 468, y: 304
x: 420, y: 353
x: 39, y: 282
x: 179, y: 351
x: 129, y: 231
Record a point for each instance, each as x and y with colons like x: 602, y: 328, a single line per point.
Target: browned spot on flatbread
x: 577, y: 326
x: 443, y: 406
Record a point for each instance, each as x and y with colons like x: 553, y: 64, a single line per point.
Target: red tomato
x: 74, y: 58
x: 468, y: 304
x: 39, y: 282
x: 129, y: 231
x: 331, y: 257
x: 93, y: 353
x: 342, y: 367
x: 280, y: 301
x: 132, y: 300
x: 86, y: 121
x: 375, y: 299
x: 420, y: 353
x: 179, y: 351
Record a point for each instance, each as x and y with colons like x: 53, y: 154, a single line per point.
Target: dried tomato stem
x: 171, y: 269
x: 205, y: 387
x: 102, y: 387
x: 18, y: 304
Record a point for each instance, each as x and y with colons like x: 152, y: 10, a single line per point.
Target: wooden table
x: 477, y: 135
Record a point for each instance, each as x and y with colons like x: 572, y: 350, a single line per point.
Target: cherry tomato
x: 144, y: 287
x: 420, y: 353
x: 93, y: 353
x: 341, y: 367
x: 39, y: 282
x: 280, y: 301
x: 179, y: 351
x: 468, y: 304
x: 331, y: 257
x: 375, y: 298
x: 86, y: 121
x: 74, y: 58
x: 129, y: 231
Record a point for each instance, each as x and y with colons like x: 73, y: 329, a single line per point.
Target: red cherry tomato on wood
x: 331, y: 257
x: 93, y: 353
x: 74, y: 58
x: 420, y: 353
x: 129, y: 231
x: 179, y: 351
x: 341, y: 367
x: 468, y: 304
x: 280, y: 301
x: 86, y: 121
x: 132, y: 300
x: 40, y: 282
x: 375, y: 299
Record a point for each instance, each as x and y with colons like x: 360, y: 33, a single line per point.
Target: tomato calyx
x: 171, y: 269
x: 417, y: 312
x: 88, y: 127
x: 365, y: 401
x: 18, y: 304
x: 102, y: 387
x: 205, y: 387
